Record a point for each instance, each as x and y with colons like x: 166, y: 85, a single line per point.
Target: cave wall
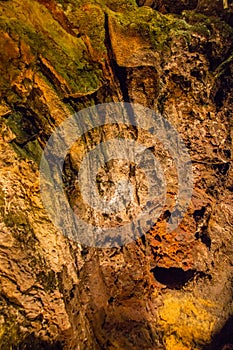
x: 164, y: 290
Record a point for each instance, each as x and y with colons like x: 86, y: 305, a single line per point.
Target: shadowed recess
x: 173, y: 277
x: 224, y: 339
x: 33, y: 343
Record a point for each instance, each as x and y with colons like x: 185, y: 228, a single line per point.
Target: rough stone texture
x: 163, y: 291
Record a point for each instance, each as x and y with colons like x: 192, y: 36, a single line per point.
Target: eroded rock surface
x: 165, y: 290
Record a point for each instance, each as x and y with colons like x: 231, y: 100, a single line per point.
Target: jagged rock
x: 165, y: 290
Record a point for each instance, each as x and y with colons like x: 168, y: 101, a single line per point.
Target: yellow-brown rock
x: 165, y: 290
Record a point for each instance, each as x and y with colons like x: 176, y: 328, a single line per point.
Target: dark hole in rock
x: 197, y: 73
x: 166, y: 215
x: 227, y: 153
x: 110, y: 300
x: 71, y: 294
x: 214, y: 60
x: 219, y: 97
x: 173, y: 277
x: 199, y: 214
x: 119, y: 219
x: 121, y: 73
x: 204, y: 237
x: 84, y: 252
x: 158, y: 238
x: 221, y: 168
x: 143, y: 239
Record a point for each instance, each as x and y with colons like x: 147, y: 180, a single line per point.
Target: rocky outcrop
x: 164, y: 290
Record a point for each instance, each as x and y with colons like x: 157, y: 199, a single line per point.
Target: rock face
x: 164, y: 290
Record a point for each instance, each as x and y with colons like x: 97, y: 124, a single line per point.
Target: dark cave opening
x: 173, y: 277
